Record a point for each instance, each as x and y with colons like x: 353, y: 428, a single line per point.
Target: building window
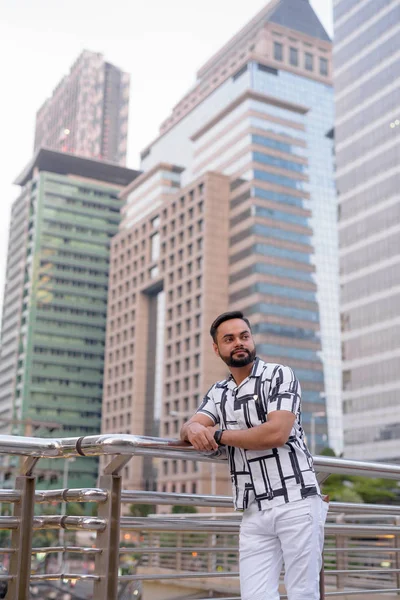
x: 294, y: 57
x: 278, y: 51
x: 323, y: 66
x: 309, y: 61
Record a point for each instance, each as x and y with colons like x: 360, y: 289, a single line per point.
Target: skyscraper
x: 367, y: 84
x: 236, y: 208
x: 87, y: 114
x: 55, y: 300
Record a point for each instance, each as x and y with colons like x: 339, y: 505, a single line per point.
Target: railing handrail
x: 117, y: 444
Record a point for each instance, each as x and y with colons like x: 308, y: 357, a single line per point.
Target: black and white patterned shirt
x: 268, y: 477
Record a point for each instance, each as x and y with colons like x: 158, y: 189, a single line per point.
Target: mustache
x: 239, y: 350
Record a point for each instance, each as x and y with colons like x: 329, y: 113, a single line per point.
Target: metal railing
x: 194, y: 551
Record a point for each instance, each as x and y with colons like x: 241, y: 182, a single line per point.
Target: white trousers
x: 291, y: 534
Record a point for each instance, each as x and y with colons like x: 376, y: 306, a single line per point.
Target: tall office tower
x: 87, y: 114
x: 367, y: 131
x: 258, y: 125
x: 55, y: 301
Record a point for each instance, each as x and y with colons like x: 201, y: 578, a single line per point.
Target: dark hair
x: 227, y: 316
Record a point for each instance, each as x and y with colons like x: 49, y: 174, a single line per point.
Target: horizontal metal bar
x: 10, y: 495
x: 359, y: 530
x: 9, y: 522
x: 70, y: 549
x: 142, y: 497
x: 184, y: 575
x: 360, y: 571
x: 359, y: 592
x: 58, y: 576
x: 351, y: 508
x: 7, y: 550
x: 111, y: 444
x: 69, y: 523
x: 72, y: 495
x: 171, y: 550
x: 387, y: 550
x: 154, y: 524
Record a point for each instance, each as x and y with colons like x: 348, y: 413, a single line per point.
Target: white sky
x: 160, y: 43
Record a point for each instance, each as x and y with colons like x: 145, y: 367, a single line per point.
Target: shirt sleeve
x: 285, y: 391
x: 208, y: 407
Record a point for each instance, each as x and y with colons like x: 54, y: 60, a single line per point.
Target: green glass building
x: 55, y: 302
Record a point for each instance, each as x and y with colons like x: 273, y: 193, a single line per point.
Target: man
x: 258, y: 417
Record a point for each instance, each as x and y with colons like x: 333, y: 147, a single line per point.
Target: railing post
x: 341, y: 557
x: 21, y: 538
x: 397, y: 547
x: 107, y: 562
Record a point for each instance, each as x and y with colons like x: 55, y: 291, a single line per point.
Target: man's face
x: 235, y: 344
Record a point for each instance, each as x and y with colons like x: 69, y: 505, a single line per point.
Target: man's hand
x: 201, y: 437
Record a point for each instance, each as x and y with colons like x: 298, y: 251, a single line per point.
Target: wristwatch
x: 217, y: 437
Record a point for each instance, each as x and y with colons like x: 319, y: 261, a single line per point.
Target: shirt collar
x: 255, y: 372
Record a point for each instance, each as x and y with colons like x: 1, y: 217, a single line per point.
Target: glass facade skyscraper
x: 239, y: 188
x: 367, y: 85
x: 55, y: 301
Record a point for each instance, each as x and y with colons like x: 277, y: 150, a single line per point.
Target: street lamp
x: 314, y: 416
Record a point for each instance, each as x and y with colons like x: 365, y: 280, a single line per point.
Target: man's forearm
x: 262, y: 437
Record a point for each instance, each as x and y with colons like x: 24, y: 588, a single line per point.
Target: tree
x: 352, y: 488
x: 179, y: 510
x: 142, y: 510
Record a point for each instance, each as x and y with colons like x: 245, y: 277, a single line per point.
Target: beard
x: 233, y: 361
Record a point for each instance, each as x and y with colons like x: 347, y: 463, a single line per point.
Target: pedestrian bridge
x: 170, y: 556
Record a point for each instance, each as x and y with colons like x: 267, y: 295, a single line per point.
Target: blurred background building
x: 367, y: 69
x: 87, y: 114
x: 55, y: 298
x: 236, y: 208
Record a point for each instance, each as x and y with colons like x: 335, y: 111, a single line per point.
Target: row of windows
x: 120, y: 386
x: 385, y: 161
x: 156, y: 221
x: 363, y: 40
x: 289, y: 331
x: 369, y: 141
x: 183, y: 365
x: 278, y: 197
x: 182, y: 488
x: 185, y: 385
x: 280, y: 234
x: 293, y: 58
x: 378, y: 222
x: 385, y: 340
x: 113, y: 422
x: 125, y: 350
x: 360, y: 17
x: 122, y: 368
x: 275, y: 161
x: 371, y: 254
x: 274, y: 290
x: 277, y: 145
x: 368, y: 198
x: 380, y: 80
x: 382, y: 371
x: 66, y: 311
x: 280, y: 180
x: 273, y: 350
x: 289, y: 312
x: 371, y: 313
x: 118, y: 404
x: 373, y: 283
x: 182, y: 405
x: 275, y: 270
x: 376, y: 433
x: 51, y: 381
x: 173, y: 467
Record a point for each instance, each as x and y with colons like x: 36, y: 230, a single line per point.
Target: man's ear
x: 215, y: 347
